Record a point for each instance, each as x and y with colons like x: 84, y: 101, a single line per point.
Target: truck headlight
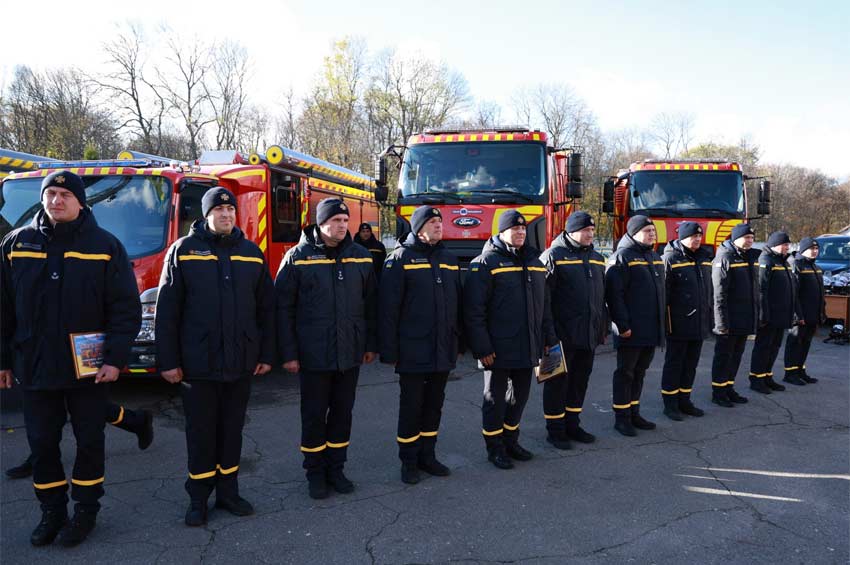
x: 147, y: 332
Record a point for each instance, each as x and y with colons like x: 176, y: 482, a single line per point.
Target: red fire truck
x: 474, y: 176
x: 149, y: 202
x: 710, y: 192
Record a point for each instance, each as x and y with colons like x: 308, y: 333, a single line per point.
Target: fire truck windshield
x: 475, y: 172
x: 132, y: 208
x: 684, y: 193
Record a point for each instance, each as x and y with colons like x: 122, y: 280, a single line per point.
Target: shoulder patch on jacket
x: 389, y: 263
x: 31, y: 246
x: 200, y: 252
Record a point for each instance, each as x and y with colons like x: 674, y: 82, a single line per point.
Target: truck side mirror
x: 381, y: 192
x: 608, y: 207
x: 575, y: 189
x: 764, y: 192
x: 608, y: 191
x: 764, y: 208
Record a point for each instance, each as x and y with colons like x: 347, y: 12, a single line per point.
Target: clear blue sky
x: 778, y: 72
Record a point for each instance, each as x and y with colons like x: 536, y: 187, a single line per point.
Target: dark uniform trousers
x: 420, y: 409
x: 765, y: 351
x: 215, y: 416
x: 563, y: 397
x: 327, y: 399
x: 680, y: 368
x: 124, y: 418
x: 632, y: 363
x: 45, y: 414
x: 797, y: 349
x: 728, y: 351
x: 501, y: 418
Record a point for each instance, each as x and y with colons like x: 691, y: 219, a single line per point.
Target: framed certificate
x: 553, y: 364
x: 87, y: 350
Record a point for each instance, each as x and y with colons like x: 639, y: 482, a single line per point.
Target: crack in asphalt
x: 379, y: 533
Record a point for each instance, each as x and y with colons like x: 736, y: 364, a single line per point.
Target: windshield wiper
x: 436, y: 195
x: 659, y: 211
x: 713, y: 212
x: 506, y: 191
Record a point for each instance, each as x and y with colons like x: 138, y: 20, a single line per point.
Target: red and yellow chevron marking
x: 482, y: 136
x: 262, y: 236
x: 305, y: 208
x: 17, y: 163
x: 530, y: 213
x: 717, y: 232
x: 673, y: 166
x: 337, y: 173
x: 347, y: 190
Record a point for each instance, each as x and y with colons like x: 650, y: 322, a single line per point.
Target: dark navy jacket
x: 778, y: 307
x: 377, y: 249
x: 71, y: 278
x: 576, y: 281
x: 326, y: 304
x: 215, y: 309
x: 736, y: 293
x: 634, y: 290
x: 506, y: 306
x: 419, y: 314
x: 689, y: 295
x: 810, y: 295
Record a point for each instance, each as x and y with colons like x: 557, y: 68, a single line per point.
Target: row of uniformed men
x: 216, y: 327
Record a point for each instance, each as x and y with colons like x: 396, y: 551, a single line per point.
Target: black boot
x: 773, y: 384
x: 145, y: 433
x: 22, y: 471
x: 671, y: 408
x: 759, y: 385
x: 498, y: 456
x: 317, y: 485
x: 52, y: 521
x: 640, y: 422
x: 623, y: 424
x: 794, y: 379
x: 720, y: 396
x: 196, y: 514
x: 234, y: 504
x: 427, y: 460
x: 78, y: 528
x: 808, y: 379
x: 339, y: 482
x: 580, y: 435
x: 559, y: 441
x: 410, y: 473
x: 735, y: 397
x: 518, y: 452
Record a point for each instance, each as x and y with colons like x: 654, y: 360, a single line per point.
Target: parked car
x: 834, y: 254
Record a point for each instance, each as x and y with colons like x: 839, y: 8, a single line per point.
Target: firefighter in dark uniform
x: 418, y: 327
x: 367, y: 239
x: 778, y: 311
x: 634, y: 290
x: 62, y: 275
x: 810, y: 296
x: 327, y: 327
x: 508, y: 325
x: 687, y: 274
x: 576, y: 280
x: 136, y: 422
x: 735, y: 288
x: 215, y: 329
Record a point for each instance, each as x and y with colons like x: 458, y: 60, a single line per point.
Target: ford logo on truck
x: 466, y: 222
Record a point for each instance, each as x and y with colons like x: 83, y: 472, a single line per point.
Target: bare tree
x: 225, y: 88
x: 672, y: 132
x: 141, y: 104
x: 286, y: 123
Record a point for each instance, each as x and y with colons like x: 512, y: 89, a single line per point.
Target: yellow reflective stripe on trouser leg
x: 407, y: 439
x: 227, y: 471
x: 199, y: 476
x: 337, y: 445
x: 428, y: 434
x: 313, y: 449
x: 554, y: 416
x: 573, y: 410
x: 493, y: 433
x: 621, y: 406
x: 511, y: 428
x: 670, y: 392
x: 89, y: 483
x: 119, y: 419
x: 45, y: 486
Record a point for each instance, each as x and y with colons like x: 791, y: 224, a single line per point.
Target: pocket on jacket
x: 196, y: 355
x: 252, y: 350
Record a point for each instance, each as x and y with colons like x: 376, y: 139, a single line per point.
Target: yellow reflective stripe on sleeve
x: 197, y: 258
x: 595, y: 262
x: 658, y: 262
x: 573, y: 410
x: 669, y: 392
x: 449, y: 267
x: 120, y: 417
x: 407, y: 439
x: 29, y: 254
x: 554, y: 416
x: 706, y: 263
x: 376, y: 250
x: 540, y: 269
x: 685, y: 389
x: 200, y: 476
x: 621, y: 406
x: 506, y: 270
x: 678, y: 265
x: 571, y: 262
x: 411, y: 267
x: 314, y: 262
x: 87, y: 256
x: 91, y: 483
x: 736, y: 265
x: 357, y: 260
x: 45, y: 486
x: 807, y: 272
x: 313, y: 449
x: 779, y: 268
x: 428, y: 434
x: 338, y: 445
x: 246, y: 259
x: 511, y: 428
x: 493, y: 433
x: 632, y: 263
x: 229, y: 471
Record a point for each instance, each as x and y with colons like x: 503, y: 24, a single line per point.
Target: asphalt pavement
x: 765, y: 482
